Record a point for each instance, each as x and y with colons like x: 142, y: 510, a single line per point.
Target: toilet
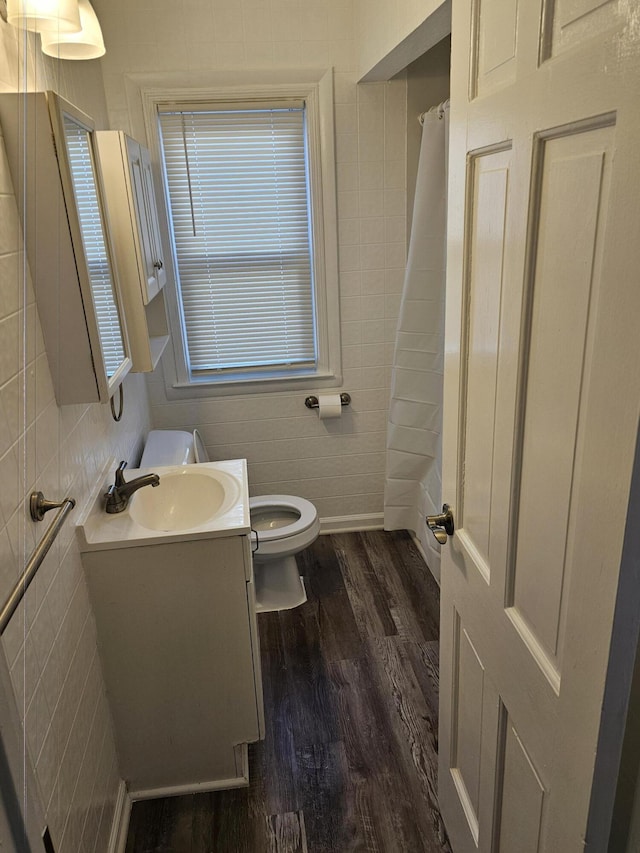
x: 281, y: 525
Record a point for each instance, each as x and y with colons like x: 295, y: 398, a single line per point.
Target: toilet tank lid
x: 168, y: 447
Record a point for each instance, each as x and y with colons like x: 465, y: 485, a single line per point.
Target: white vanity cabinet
x: 125, y: 166
x: 179, y: 648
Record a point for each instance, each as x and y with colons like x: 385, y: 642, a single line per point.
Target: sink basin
x: 184, y: 499
x: 192, y: 502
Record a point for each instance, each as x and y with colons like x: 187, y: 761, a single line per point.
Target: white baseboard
x: 125, y: 799
x: 192, y: 788
x: 352, y: 523
x: 120, y: 825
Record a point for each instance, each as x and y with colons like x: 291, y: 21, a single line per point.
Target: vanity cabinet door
x: 180, y: 658
x: 147, y: 219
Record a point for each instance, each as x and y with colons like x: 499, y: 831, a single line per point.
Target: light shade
x: 87, y: 44
x: 43, y: 16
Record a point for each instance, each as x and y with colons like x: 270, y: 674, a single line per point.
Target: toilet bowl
x: 281, y: 525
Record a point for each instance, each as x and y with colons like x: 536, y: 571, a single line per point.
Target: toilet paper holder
x: 313, y: 403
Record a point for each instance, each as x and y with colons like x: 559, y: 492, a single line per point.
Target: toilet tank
x: 168, y: 447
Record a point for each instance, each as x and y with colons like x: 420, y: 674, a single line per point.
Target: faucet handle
x: 119, y: 473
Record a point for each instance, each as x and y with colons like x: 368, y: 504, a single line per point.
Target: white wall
x: 50, y: 643
x: 391, y: 33
x: 338, y: 465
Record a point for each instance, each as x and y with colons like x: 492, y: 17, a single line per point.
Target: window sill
x: 265, y: 385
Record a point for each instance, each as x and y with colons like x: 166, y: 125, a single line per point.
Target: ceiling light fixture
x: 44, y: 15
x: 86, y: 44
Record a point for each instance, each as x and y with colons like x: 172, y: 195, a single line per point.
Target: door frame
x: 624, y: 648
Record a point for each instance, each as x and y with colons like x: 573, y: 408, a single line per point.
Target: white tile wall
x: 50, y: 643
x: 339, y: 465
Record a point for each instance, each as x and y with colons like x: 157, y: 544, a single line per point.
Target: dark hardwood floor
x: 349, y: 760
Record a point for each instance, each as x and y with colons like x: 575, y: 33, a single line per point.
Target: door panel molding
x: 568, y: 24
x: 492, y: 52
x: 573, y: 182
x: 522, y: 796
x: 487, y: 217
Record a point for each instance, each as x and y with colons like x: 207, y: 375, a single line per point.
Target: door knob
x: 441, y: 525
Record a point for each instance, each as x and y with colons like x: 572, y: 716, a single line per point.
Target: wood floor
x: 351, y: 703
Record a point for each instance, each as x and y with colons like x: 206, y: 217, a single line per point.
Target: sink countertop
x: 99, y: 531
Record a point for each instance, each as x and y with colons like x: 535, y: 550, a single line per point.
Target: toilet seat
x: 304, y: 509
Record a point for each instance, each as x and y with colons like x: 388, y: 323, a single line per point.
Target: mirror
x: 50, y: 150
x: 93, y: 240
x: 87, y: 222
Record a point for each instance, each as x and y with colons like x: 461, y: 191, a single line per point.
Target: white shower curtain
x: 413, y: 486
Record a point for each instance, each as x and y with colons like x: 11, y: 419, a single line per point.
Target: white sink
x: 185, y: 499
x: 192, y: 502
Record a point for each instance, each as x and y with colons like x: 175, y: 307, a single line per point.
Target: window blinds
x: 238, y: 193
x: 91, y: 227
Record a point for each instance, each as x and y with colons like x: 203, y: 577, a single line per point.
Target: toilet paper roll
x: 329, y: 406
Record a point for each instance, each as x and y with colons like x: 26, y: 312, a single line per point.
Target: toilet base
x: 279, y: 585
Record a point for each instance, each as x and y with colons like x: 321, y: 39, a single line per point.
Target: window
x: 238, y: 196
x: 257, y: 301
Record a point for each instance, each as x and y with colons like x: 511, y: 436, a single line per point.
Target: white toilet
x: 281, y: 525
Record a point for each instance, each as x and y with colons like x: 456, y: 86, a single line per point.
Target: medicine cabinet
x: 125, y: 166
x: 50, y: 148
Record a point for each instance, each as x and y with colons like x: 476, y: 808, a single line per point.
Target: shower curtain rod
x: 440, y: 108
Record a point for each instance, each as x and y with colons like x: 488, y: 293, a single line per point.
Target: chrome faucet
x: 119, y: 493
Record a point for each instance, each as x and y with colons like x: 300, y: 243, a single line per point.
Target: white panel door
x: 542, y: 397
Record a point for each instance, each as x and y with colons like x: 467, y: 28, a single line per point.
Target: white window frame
x: 317, y: 94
